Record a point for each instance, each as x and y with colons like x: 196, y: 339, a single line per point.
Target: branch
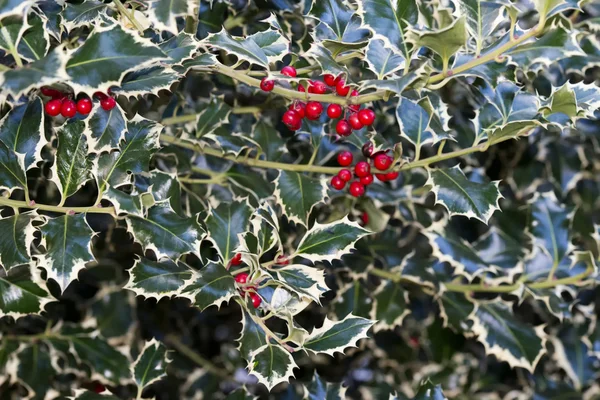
x: 58, y: 209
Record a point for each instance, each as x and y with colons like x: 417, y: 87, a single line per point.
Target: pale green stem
x: 130, y: 17
x: 58, y: 209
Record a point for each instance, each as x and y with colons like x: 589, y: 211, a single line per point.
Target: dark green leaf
x: 12, y: 170
x: 146, y: 81
x: 335, y: 14
x: 244, y: 49
x: 455, y: 310
x: 354, y: 299
x: 445, y: 42
x: 157, y: 279
x: 414, y: 123
x: 482, y: 18
x: 22, y: 131
x: 106, y: 129
x: 16, y: 236
x: 271, y: 365
x: 180, y: 47
x: 212, y: 285
x: 335, y: 337
x: 163, y: 14
x: 429, y: 391
x: 391, y: 306
x: 297, y: 194
x: 88, y: 13
x: 21, y: 294
x: 35, y: 41
x: 253, y: 336
x: 115, y: 313
x: 319, y: 389
x: 382, y: 60
x: 72, y: 166
x: 304, y: 280
x: 211, y: 116
x: 150, y: 366
x: 224, y: 224
x: 35, y: 369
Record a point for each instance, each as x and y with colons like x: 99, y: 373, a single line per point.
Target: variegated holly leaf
x: 72, y: 165
x: 337, y: 336
x: 460, y: 196
x: 354, y: 299
x: 35, y: 42
x: 455, y: 309
x: 7, y: 348
x: 12, y: 170
x: 22, y: 131
x: 331, y: 241
x: 268, y: 138
x: 150, y: 80
x: 334, y: 14
x: 162, y: 186
x: 325, y: 59
x: 163, y: 14
x: 166, y: 233
x: 152, y: 279
x: 211, y: 116
x: 445, y: 42
x: 572, y: 354
x: 550, y: 230
x: 35, y: 369
x: 124, y: 203
x: 319, y: 389
x: 395, y: 85
x: 106, y: 129
x: 272, y: 365
x: 22, y: 293
x: 106, y: 56
x: 13, y: 29
x: 575, y: 100
x: 14, y: 7
x: 297, y: 194
x: 88, y: 13
x: 224, y: 224
x: 63, y: 258
x: 414, y: 123
x: 115, y: 314
x: 390, y: 22
x: 180, y: 48
x: 506, y: 337
x: 243, y: 48
x: 252, y: 338
x: 482, y: 18
x: 16, y: 236
x: 383, y: 60
x: 391, y: 306
x: 150, y: 366
x: 133, y: 156
x: 212, y: 285
x: 302, y: 279
x: 429, y: 391
x: 272, y: 43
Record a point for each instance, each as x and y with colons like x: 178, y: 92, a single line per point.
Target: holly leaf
x: 106, y: 56
x: 355, y: 299
x: 224, y: 224
x: 64, y: 258
x: 297, y: 194
x: 253, y: 336
x: 14, y: 7
x: 272, y: 43
x: 445, y: 42
x: 325, y: 59
x: 12, y: 170
x: 152, y: 279
x: 269, y: 140
x: 337, y: 336
x: 572, y: 354
x: 212, y: 285
x: 35, y: 369
x: 124, y: 203
x: 16, y: 236
x: 414, y: 123
x: 460, y: 196
x: 482, y: 18
x: 331, y: 241
x: 150, y: 366
x: 115, y: 314
x: 163, y: 14
x: 243, y: 48
x: 26, y: 295
x: 107, y: 128
x: 166, y: 233
x: 455, y: 309
x: 72, y: 166
x: 302, y: 279
x: 146, y: 81
x: 271, y: 365
x: 211, y: 116
x: 181, y: 47
x: 319, y: 389
x: 383, y: 60
x: 334, y: 14
x: 551, y: 222
x: 88, y: 13
x: 162, y: 186
x: 391, y: 306
x: 35, y: 42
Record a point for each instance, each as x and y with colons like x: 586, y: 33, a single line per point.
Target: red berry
x: 367, y: 180
x: 291, y: 118
x: 298, y: 108
x: 390, y: 176
x: 343, y: 128
x: 357, y: 189
x: 288, y: 70
x: 99, y: 388
x: 354, y: 107
x: 382, y: 177
x: 367, y: 149
x: 334, y: 111
x: 337, y: 183
x: 366, y: 116
x: 329, y: 79
x: 267, y: 84
x: 362, y: 168
x: 355, y: 122
x: 282, y: 260
x: 344, y: 158
x: 46, y: 91
x: 256, y: 300
x: 68, y: 109
x: 313, y: 110
x: 236, y: 259
x: 382, y: 161
x: 241, y: 278
x: 365, y: 218
x: 53, y: 107
x: 101, y: 96
x: 317, y: 87
x: 296, y: 127
x: 301, y: 88
x: 345, y: 175
x: 84, y: 106
x: 108, y: 103
x: 341, y: 88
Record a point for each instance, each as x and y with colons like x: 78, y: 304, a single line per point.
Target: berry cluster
x: 242, y: 279
x: 362, y: 170
x: 62, y: 103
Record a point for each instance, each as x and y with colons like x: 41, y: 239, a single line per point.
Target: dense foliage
x: 343, y: 198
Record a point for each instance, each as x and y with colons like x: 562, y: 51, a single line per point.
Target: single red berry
x: 53, y: 107
x: 337, y: 183
x: 345, y: 175
x: 362, y: 168
x: 288, y: 70
x: 298, y: 108
x: 344, y: 158
x: 367, y: 179
x: 357, y: 189
x: 256, y: 300
x: 236, y: 260
x: 241, y: 278
x: 55, y: 94
x: 366, y: 116
x: 382, y: 161
x: 84, y: 106
x: 68, y: 109
x: 329, y: 79
x: 108, y: 103
x: 365, y: 218
x: 367, y: 149
x: 390, y: 176
x: 101, y: 96
x: 282, y: 260
x: 382, y: 177
x: 99, y: 388
x: 313, y: 110
x: 343, y: 128
x: 267, y: 84
x: 301, y: 88
x: 355, y: 122
x: 291, y: 118
x: 341, y: 88
x: 296, y: 127
x: 317, y: 87
x: 334, y: 111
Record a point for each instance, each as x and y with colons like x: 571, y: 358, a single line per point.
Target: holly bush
x: 345, y: 198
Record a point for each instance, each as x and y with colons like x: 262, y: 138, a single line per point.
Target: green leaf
x: 445, y: 42
x: 107, y: 128
x: 302, y: 279
x: 319, y: 389
x: 335, y: 14
x: 460, y: 196
x: 150, y: 366
x: 395, y: 85
x: 22, y: 293
x: 325, y: 59
x: 335, y: 337
x: 72, y: 165
x: 14, y: 7
x: 271, y: 365
x: 390, y: 21
x: 12, y: 170
x: 68, y: 241
x: 181, y: 47
x: 355, y: 299
x: 482, y: 18
x: 211, y: 116
x: 146, y: 81
x: 106, y: 56
x: 163, y: 14
x: 414, y: 123
x: 88, y: 13
x: 35, y: 42
x: 124, y: 203
x: 297, y: 194
x: 162, y: 186
x: 382, y: 60
x: 152, y: 279
x: 545, y: 7
x: 455, y: 309
x: 551, y: 222
x: 166, y: 233
x: 13, y: 29
x: 573, y: 355
x: 224, y: 224
x: 391, y: 306
x: 576, y: 100
x: 330, y: 241
x: 115, y: 313
x: 16, y: 236
x: 269, y: 140
x: 429, y: 391
x: 7, y: 348
x: 243, y: 48
x: 22, y: 131
x: 253, y: 336
x: 212, y: 285
x: 272, y: 43
x: 35, y: 369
